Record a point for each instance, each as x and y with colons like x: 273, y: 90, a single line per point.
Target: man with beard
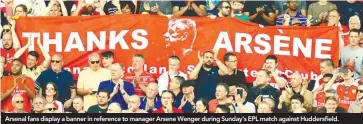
x: 206, y: 75
x: 290, y: 14
x: 224, y: 8
x: 102, y: 102
x: 16, y: 84
x: 262, y: 89
x: 31, y: 69
x: 11, y: 44
x: 278, y: 80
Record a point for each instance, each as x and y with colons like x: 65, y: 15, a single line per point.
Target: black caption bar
x: 179, y: 118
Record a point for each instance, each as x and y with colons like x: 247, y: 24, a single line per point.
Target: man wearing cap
x: 290, y: 15
x: 352, y: 54
x: 187, y: 103
x: 347, y: 90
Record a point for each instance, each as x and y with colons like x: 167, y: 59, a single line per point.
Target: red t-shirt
x: 320, y: 99
x: 146, y: 78
x: 9, y: 56
x: 175, y: 110
x: 346, y: 94
x: 7, y: 83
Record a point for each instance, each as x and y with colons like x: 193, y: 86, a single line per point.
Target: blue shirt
x: 63, y: 81
x: 301, y: 17
x: 109, y: 85
x: 157, y: 104
x: 177, y: 99
x: 206, y: 83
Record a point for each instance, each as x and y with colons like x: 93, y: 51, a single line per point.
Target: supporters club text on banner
x: 157, y: 38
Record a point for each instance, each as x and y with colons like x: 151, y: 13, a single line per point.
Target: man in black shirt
x: 262, y: 89
x: 102, y: 99
x: 189, y: 8
x: 234, y: 76
x: 261, y: 12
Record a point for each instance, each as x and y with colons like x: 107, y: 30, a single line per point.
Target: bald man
x: 151, y: 102
x: 89, y: 80
x: 114, y: 108
x: 18, y: 104
x: 62, y: 78
x: 119, y: 89
x: 134, y: 105
x: 296, y: 86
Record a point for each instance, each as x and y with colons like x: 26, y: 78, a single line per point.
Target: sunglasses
x: 6, y: 30
x: 93, y: 62
x: 19, y: 101
x: 226, y: 7
x: 360, y: 91
x: 55, y: 61
x: 51, y: 109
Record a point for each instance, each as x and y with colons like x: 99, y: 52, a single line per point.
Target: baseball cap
x: 188, y: 83
x: 109, y: 8
x: 345, y: 68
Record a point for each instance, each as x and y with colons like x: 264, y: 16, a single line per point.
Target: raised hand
x: 215, y: 51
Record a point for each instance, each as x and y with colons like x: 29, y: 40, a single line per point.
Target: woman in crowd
x: 38, y: 104
x: 201, y: 106
x: 51, y: 93
x: 78, y: 104
x: 21, y: 10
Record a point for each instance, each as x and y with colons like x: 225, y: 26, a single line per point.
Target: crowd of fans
x: 30, y: 86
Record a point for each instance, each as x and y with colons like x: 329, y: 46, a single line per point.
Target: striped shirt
x: 301, y: 17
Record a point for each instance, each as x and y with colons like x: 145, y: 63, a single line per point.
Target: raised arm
x: 63, y: 8
x: 80, y: 5
x: 200, y: 10
x: 332, y: 80
x: 194, y: 74
x: 46, y: 55
x: 178, y: 12
x: 16, y: 42
x: 20, y: 52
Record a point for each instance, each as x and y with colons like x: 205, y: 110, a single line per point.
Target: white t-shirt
x: 164, y: 79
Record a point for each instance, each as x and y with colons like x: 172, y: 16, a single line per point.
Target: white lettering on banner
x: 31, y: 36
x: 280, y: 45
x: 118, y: 39
x: 74, y: 36
x: 223, y: 36
x: 74, y: 40
x: 263, y: 43
x: 100, y: 43
x: 57, y: 41
x: 143, y: 40
x: 305, y: 50
x: 245, y: 43
x: 319, y: 48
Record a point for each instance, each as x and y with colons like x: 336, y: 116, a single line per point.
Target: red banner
x: 157, y: 38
